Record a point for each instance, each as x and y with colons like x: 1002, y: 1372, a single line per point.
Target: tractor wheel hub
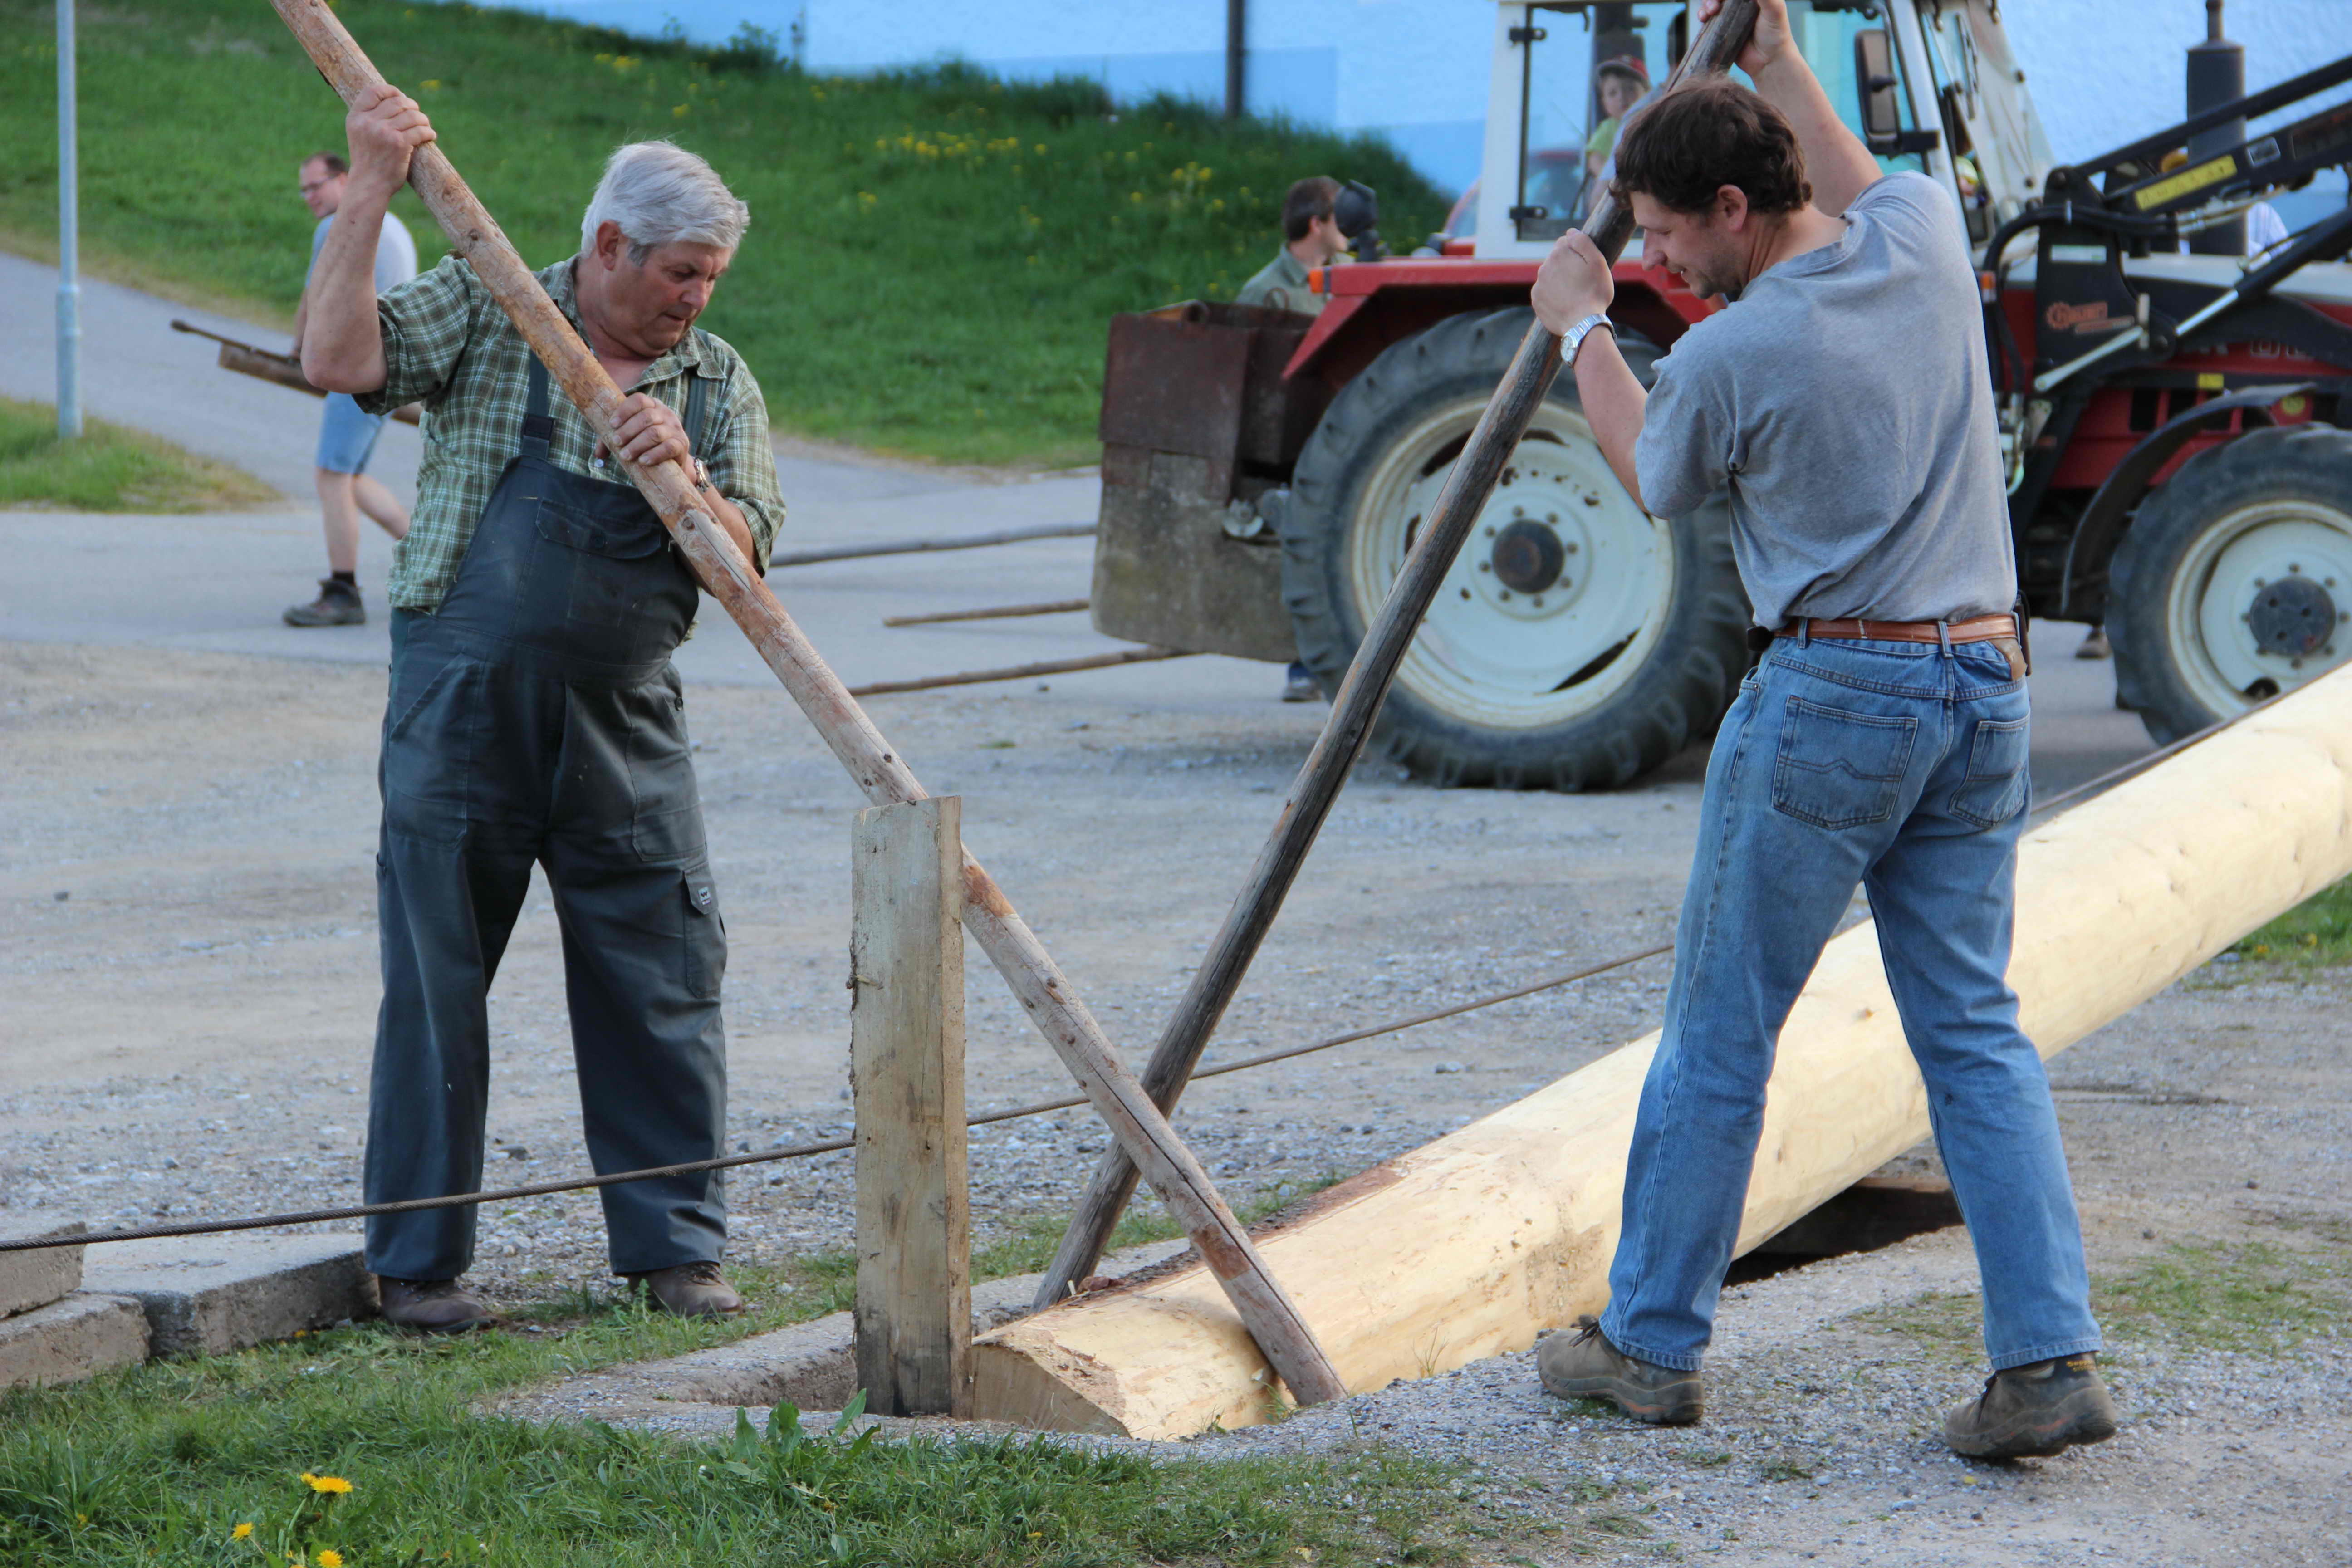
x: 2292, y: 617
x: 1528, y: 557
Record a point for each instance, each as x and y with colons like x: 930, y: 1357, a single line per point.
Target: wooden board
x: 1470, y: 1245
x: 913, y: 1315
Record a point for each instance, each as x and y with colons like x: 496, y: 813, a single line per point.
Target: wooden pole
x: 1052, y: 1004
x: 913, y: 1316
x: 928, y: 546
x: 1491, y: 442
x: 993, y: 613
x: 1023, y: 672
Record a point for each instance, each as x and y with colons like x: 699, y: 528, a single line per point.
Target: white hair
x: 660, y: 194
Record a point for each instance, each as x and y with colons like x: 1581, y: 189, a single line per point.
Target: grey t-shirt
x: 395, y: 252
x: 1844, y: 400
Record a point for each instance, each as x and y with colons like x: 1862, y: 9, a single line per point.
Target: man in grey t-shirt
x: 1841, y: 398
x: 346, y: 435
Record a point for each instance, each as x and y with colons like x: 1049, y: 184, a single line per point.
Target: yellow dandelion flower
x: 677, y: 111
x: 333, y: 1484
x: 329, y: 1558
x: 240, y: 1532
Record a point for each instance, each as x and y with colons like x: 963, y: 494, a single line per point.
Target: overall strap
x: 538, y: 425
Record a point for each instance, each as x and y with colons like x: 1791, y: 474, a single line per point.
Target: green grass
x: 933, y: 257
x: 109, y: 469
x: 2316, y: 934
x: 2251, y: 1300
x: 162, y: 1464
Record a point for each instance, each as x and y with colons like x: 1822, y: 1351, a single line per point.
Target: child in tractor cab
x: 1620, y: 81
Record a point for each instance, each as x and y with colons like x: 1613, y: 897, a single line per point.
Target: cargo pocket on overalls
x: 706, y: 935
x: 665, y: 808
x: 1838, y: 769
x: 1997, y: 778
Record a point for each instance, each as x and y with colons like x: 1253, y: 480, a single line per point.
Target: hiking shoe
x: 2094, y: 645
x: 1585, y: 1366
x: 692, y: 1290
x: 431, y: 1306
x: 1298, y: 686
x: 2033, y: 1412
x: 337, y: 604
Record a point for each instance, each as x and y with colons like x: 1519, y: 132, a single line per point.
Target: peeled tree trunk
x: 1469, y: 1246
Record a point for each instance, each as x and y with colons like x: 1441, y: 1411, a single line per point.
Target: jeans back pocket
x: 1838, y: 769
x: 1995, y: 787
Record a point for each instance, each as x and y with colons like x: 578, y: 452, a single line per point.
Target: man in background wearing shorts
x: 346, y: 435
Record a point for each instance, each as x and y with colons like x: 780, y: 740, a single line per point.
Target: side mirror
x: 1355, y: 208
x: 1874, y: 81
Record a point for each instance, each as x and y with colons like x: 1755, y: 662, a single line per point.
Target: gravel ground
x: 187, y: 990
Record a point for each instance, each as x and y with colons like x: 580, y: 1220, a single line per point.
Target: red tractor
x: 2172, y: 422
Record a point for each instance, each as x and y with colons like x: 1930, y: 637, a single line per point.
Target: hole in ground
x: 1877, y: 1211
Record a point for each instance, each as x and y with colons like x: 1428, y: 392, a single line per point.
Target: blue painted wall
x: 2101, y: 71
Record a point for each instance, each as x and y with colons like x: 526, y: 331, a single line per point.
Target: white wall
x: 2101, y: 72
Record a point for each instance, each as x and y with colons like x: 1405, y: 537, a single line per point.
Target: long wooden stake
x: 1270, y: 1314
x: 1023, y: 672
x: 1491, y: 444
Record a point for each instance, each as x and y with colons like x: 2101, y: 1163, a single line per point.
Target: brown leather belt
x: 1978, y: 628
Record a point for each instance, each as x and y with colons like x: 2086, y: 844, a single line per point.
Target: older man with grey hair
x: 535, y: 717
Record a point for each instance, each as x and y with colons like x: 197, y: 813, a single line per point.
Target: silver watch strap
x: 1573, y: 339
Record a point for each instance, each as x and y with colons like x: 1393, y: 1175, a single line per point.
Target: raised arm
x: 1836, y: 163
x: 341, y: 338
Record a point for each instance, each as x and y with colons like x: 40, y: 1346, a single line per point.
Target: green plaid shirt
x: 446, y: 343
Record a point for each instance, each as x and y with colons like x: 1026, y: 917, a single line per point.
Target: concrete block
x: 209, y: 1295
x: 67, y: 1340
x: 29, y: 1279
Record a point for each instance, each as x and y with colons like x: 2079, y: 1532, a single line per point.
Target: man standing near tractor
x: 1843, y: 398
x: 535, y: 716
x: 1311, y: 239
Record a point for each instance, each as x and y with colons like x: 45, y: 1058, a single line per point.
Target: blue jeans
x: 1901, y: 766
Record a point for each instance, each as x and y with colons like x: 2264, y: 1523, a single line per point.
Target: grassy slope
x: 932, y: 260
x: 110, y: 469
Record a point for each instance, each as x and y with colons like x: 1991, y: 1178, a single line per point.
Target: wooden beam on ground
x: 878, y: 769
x: 926, y: 546
x: 1357, y: 704
x: 999, y: 612
x: 913, y: 1315
x: 1473, y: 1244
x: 1023, y: 672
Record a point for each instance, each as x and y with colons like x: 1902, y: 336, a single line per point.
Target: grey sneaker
x: 1298, y: 686
x: 337, y: 604
x: 431, y: 1306
x: 1585, y: 1366
x: 2033, y: 1412
x: 692, y: 1290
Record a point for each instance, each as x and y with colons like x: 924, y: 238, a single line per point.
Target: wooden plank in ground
x: 906, y: 1046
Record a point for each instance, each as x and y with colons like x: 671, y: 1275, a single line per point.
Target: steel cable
x: 834, y: 1145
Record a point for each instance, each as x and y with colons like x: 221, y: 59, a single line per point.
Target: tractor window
x: 1825, y: 35
x: 1585, y: 67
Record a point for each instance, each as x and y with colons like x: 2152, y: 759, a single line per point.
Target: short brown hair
x: 1695, y: 140
x: 1308, y: 200
x: 334, y: 161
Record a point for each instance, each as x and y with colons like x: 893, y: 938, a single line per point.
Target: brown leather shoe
x: 431, y: 1306
x: 337, y: 604
x: 692, y: 1290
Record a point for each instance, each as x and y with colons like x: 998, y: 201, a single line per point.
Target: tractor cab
x: 1944, y: 98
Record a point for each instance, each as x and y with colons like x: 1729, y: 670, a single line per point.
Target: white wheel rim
x: 1505, y: 658
x: 2210, y: 607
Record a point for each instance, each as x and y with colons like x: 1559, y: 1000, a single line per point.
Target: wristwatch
x: 701, y: 475
x: 1573, y: 339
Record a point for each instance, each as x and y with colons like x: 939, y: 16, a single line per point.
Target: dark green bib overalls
x: 536, y: 718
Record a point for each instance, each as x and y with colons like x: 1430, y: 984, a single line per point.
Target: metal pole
x: 68, y: 237
x: 1236, y: 56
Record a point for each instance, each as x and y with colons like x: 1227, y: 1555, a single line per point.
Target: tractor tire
x: 1577, y: 644
x: 2234, y: 581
